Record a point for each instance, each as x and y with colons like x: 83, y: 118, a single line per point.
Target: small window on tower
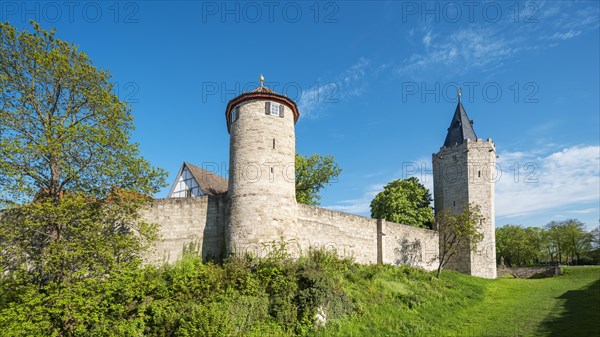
x: 234, y: 115
x: 188, y: 193
x: 274, y: 109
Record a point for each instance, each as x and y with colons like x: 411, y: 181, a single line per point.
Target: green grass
x: 280, y: 296
x: 408, y: 302
x: 567, y: 305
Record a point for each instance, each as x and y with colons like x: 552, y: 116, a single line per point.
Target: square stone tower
x: 464, y: 171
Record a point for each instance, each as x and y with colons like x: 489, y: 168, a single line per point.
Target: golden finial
x: 459, y: 93
x: 262, y: 79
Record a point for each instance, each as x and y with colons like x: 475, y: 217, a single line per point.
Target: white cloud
x: 361, y: 205
x: 313, y: 97
x: 349, y: 83
x: 485, y: 47
x: 547, y: 182
x: 586, y: 211
x: 427, y: 39
x: 531, y: 182
x: 561, y: 15
x: 565, y: 36
x: 469, y: 47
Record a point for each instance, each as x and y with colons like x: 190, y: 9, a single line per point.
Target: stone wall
x: 202, y: 220
x: 367, y: 240
x: 348, y: 234
x: 527, y: 272
x: 184, y: 221
x: 408, y: 245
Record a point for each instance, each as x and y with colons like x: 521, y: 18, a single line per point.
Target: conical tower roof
x: 461, y: 128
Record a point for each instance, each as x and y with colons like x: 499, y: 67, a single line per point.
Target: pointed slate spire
x: 461, y: 127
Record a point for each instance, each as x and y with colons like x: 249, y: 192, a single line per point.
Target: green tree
x: 595, y: 245
x: 458, y: 232
x: 404, y: 201
x: 568, y: 240
x: 73, y: 179
x: 577, y: 240
x: 547, y: 245
x: 312, y: 174
x: 62, y: 128
x: 507, y: 245
x: 556, y: 240
x: 536, y: 244
x: 518, y: 245
x: 76, y: 237
x: 595, y: 237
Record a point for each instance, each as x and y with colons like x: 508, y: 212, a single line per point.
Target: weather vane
x: 262, y: 79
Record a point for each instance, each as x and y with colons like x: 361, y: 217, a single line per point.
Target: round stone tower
x: 262, y: 192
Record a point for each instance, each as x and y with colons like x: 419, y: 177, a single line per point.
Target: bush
x: 276, y: 295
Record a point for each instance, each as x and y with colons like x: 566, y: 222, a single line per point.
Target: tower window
x: 274, y: 109
x: 273, y: 143
x: 234, y: 115
x: 272, y: 169
x: 188, y: 193
x: 479, y: 174
x: 454, y: 203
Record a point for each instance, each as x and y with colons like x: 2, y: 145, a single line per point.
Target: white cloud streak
x: 361, y: 205
x: 469, y: 47
x: 349, y: 83
x: 484, y: 47
x: 565, y: 36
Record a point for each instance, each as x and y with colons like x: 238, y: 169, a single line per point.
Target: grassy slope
x: 568, y: 305
x: 403, y: 301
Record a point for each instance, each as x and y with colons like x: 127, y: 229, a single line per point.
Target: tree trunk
x: 54, y: 188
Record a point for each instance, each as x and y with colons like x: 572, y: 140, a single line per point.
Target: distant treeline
x: 565, y: 242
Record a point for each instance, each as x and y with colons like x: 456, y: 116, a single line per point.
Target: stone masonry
x: 262, y: 192
x: 465, y: 174
x: 260, y: 207
x: 188, y: 221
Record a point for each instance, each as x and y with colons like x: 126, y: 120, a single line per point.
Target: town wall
x: 198, y: 222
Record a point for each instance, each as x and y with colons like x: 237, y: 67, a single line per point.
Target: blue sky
x: 375, y: 83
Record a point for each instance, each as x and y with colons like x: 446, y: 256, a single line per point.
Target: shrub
x: 275, y: 295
